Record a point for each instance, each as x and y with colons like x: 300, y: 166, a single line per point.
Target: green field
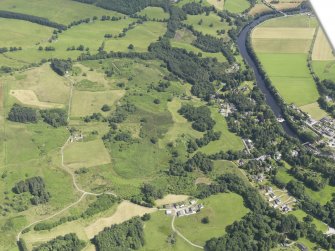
x: 236, y: 6
x: 222, y: 210
x: 154, y: 13
x: 324, y: 69
x: 86, y: 154
x: 22, y: 35
x: 297, y: 21
x: 319, y: 224
x: 210, y: 24
x: 227, y: 141
x: 141, y: 37
x: 64, y: 12
x: 290, y: 75
x: 85, y: 103
x: 156, y: 232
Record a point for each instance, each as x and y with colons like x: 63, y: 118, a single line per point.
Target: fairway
x: 222, y: 210
x: 85, y: 103
x: 322, y: 50
x: 21, y: 36
x: 86, y: 154
x: 28, y: 97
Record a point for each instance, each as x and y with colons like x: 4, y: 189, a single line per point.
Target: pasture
x: 324, y: 69
x: 320, y: 226
x: 314, y: 110
x: 221, y: 209
x: 125, y: 211
x: 85, y: 103
x: 44, y: 82
x: 291, y: 77
x: 236, y: 6
x: 156, y: 232
x: 86, y: 154
x: 296, y: 21
x: 322, y: 50
x: 140, y: 37
x: 21, y: 36
x: 64, y: 12
x: 218, y: 4
x: 227, y: 141
x: 28, y: 97
x: 271, y: 45
x: 154, y: 13
x: 207, y: 24
x: 283, y: 33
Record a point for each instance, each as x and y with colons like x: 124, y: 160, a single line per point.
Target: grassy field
x: 290, y: 75
x: 236, y: 6
x: 324, y: 69
x: 219, y: 4
x: 314, y: 110
x: 319, y: 224
x: 156, y: 232
x: 210, y: 24
x: 322, y: 49
x: 323, y: 196
x: 86, y: 154
x: 227, y: 141
x: 44, y: 82
x: 222, y: 210
x: 141, y: 36
x: 154, y: 13
x: 64, y: 12
x: 21, y: 36
x: 282, y: 45
x: 85, y: 103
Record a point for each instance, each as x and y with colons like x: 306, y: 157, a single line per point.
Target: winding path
x: 182, y: 236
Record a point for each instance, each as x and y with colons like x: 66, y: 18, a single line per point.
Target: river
x: 270, y: 100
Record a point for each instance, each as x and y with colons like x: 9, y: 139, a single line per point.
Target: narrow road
x: 182, y: 236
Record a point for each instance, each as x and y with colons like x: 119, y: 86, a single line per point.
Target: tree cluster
x: 23, y: 114
x: 61, y: 67
x: 199, y: 116
x: 36, y: 187
x: 125, y: 236
x: 68, y: 242
x: 54, y: 117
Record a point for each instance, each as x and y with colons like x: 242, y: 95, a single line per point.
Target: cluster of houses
x: 76, y: 137
x: 183, y: 208
x: 226, y: 109
x: 326, y: 127
x: 276, y: 202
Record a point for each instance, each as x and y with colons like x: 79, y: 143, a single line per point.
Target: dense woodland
x: 36, y: 187
x: 126, y: 236
x: 68, y: 242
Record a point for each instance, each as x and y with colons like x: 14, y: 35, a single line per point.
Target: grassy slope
x: 222, y: 210
x: 154, y: 12
x: 236, y: 6
x: 22, y: 35
x: 64, y: 12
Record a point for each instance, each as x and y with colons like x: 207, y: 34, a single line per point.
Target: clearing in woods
x: 171, y: 198
x: 28, y: 97
x: 219, y: 4
x: 322, y: 50
x: 125, y: 211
